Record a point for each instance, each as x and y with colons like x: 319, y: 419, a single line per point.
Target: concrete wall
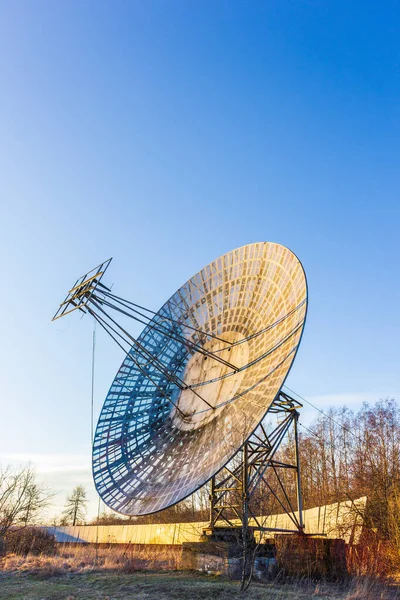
x: 340, y: 520
x: 303, y: 556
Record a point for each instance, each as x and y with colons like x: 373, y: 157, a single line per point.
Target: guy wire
x: 92, y: 427
x: 356, y: 437
x: 92, y: 394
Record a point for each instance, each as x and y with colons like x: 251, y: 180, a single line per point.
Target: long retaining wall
x: 340, y: 520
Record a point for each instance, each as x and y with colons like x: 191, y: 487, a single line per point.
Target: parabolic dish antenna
x: 199, y: 378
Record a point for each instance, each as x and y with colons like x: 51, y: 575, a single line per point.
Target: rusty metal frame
x: 82, y: 291
x: 233, y: 487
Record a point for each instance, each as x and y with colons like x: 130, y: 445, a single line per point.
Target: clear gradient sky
x: 166, y: 133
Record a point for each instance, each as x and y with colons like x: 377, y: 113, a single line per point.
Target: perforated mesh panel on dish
x: 155, y: 443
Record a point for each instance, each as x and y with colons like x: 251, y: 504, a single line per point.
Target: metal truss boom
x: 90, y: 295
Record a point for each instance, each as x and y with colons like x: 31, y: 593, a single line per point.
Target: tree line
x: 346, y: 454
x: 343, y: 455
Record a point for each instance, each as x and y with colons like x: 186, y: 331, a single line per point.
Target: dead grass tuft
x: 84, y: 559
x: 119, y: 573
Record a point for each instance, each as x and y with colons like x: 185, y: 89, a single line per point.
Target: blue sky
x: 165, y: 134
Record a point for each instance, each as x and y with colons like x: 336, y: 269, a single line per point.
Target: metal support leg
x: 245, y: 489
x: 212, y: 502
x: 245, y: 513
x: 298, y: 477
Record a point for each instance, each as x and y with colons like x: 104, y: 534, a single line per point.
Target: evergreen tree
x: 75, y: 508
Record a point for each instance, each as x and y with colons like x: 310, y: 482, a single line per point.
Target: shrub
x: 30, y: 540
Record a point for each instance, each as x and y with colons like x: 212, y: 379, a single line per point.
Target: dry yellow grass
x: 82, y: 573
x: 82, y: 558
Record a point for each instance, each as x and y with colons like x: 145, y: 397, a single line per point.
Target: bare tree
x: 22, y: 498
x: 75, y: 508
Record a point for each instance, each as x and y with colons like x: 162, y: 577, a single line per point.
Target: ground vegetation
x: 87, y: 573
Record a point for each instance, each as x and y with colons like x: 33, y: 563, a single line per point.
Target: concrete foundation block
x: 216, y: 557
x: 307, y: 556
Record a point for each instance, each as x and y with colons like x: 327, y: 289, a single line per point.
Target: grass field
x: 171, y: 586
x: 156, y: 585
x: 83, y: 574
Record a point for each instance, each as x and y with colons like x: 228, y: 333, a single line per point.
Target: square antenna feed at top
x: 82, y: 290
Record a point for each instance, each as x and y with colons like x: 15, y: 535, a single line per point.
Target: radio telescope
x: 199, y: 379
